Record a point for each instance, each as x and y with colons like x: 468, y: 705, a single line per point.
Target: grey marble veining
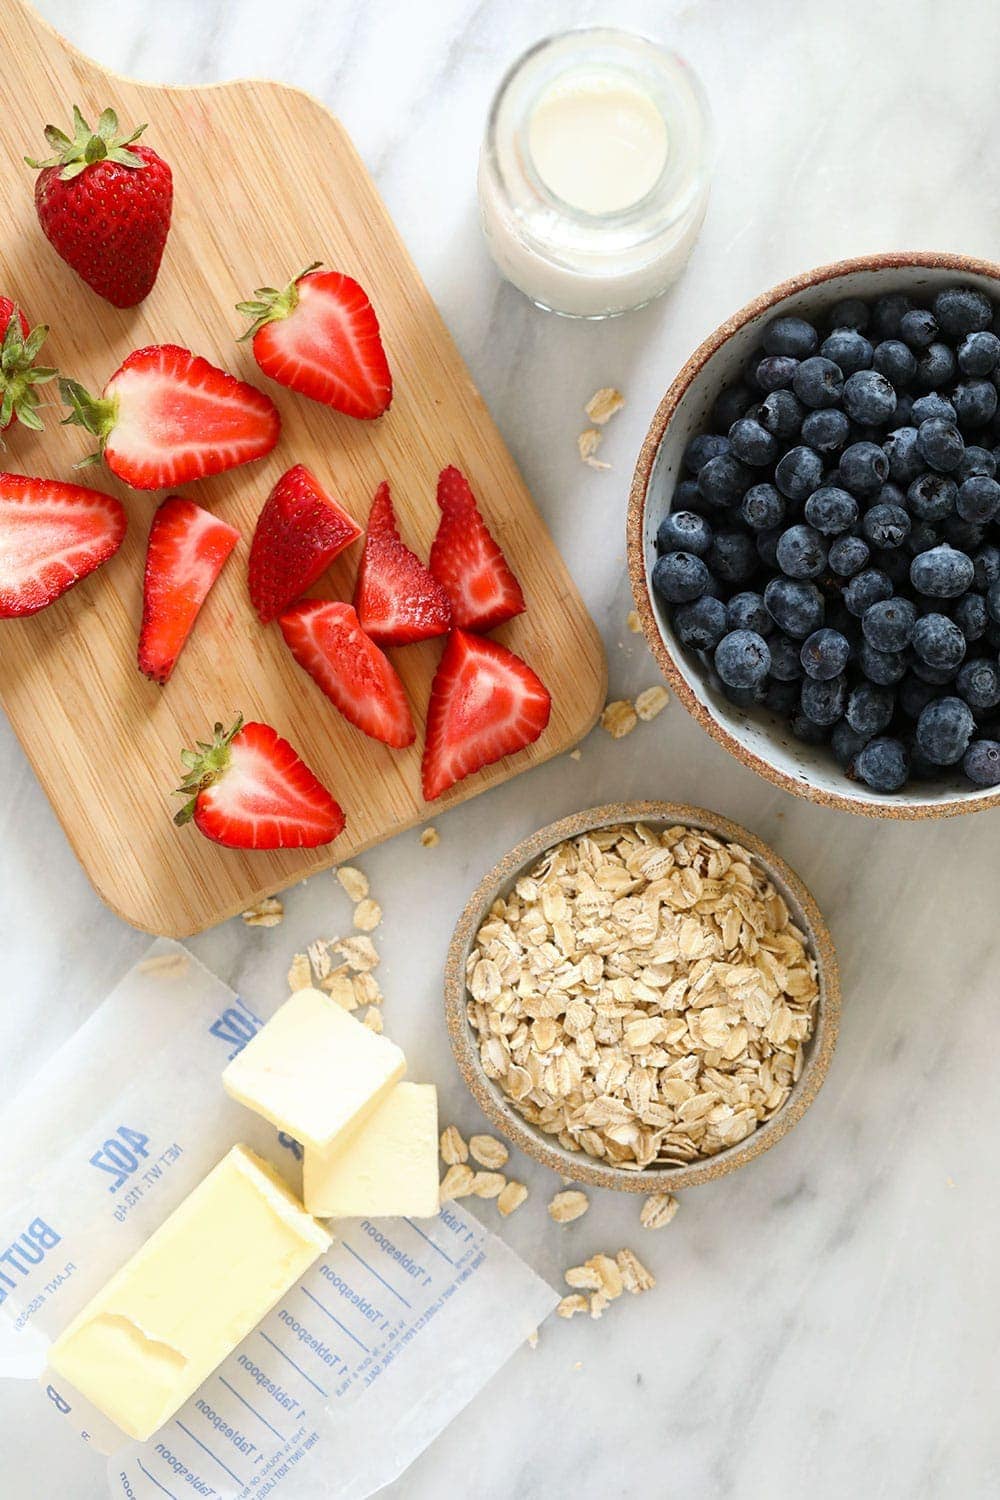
x: 826, y: 1322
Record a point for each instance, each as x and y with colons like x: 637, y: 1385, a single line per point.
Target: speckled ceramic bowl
x: 756, y: 737
x: 545, y: 1148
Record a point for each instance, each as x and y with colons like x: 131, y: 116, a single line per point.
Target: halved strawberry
x: 300, y: 530
x: 248, y: 789
x: 319, y: 336
x: 397, y: 599
x: 326, y: 639
x: 51, y: 536
x: 187, y: 549
x: 485, y: 703
x: 19, y: 375
x: 167, y: 417
x: 467, y: 562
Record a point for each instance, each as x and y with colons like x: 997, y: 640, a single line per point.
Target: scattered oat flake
x: 360, y: 953
x: 319, y: 959
x: 454, y: 1151
x: 488, y: 1184
x: 567, y: 1206
x: 367, y: 990
x: 166, y: 965
x: 430, y: 838
x: 367, y: 915
x: 488, y: 1152
x: 575, y: 754
x: 658, y: 1210
x: 651, y: 701
x: 588, y: 443
x: 633, y: 622
x: 603, y: 404
x: 532, y: 1339
x: 457, y: 1182
x: 576, y: 1302
x: 634, y: 1276
x: 300, y: 973
x: 619, y: 718
x: 340, y: 987
x: 583, y: 1278
x: 373, y: 1020
x: 266, y: 913
x: 510, y: 1200
x: 354, y: 882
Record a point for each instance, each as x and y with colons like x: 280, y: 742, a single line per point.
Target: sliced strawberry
x: 248, y: 789
x: 19, y: 375
x: 51, y: 536
x: 186, y: 552
x: 485, y: 703
x: 397, y: 599
x: 300, y: 530
x: 320, y: 337
x: 467, y: 562
x: 326, y: 639
x: 167, y: 417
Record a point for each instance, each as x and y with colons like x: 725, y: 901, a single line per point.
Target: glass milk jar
x: 594, y: 171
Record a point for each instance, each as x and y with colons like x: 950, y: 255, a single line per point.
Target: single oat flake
x: 565, y: 1207
x: 299, y: 973
x: 634, y: 1276
x: 267, y: 913
x: 651, y: 701
x: 658, y: 1210
x: 633, y: 622
x: 603, y: 404
x: 430, y: 838
x: 457, y: 1182
x: 619, y: 718
x: 576, y: 1302
x: 454, y: 1151
x: 488, y: 1184
x: 354, y: 882
x: 367, y: 915
x: 488, y: 1152
x: 166, y: 965
x: 513, y: 1195
x: 588, y: 443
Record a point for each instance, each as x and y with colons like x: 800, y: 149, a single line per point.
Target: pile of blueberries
x: 834, y: 546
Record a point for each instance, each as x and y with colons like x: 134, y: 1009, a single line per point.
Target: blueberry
x: 981, y: 763
x: 992, y: 602
x: 767, y: 545
x: 975, y: 402
x: 687, y: 496
x: 746, y: 611
x: 904, y: 409
x: 938, y: 641
x: 962, y: 309
x: 869, y: 397
x: 978, y: 353
x: 818, y: 382
x: 700, y: 625
x: 792, y: 336
x: 923, y: 536
x: 796, y: 608
x: 798, y: 472
x: 935, y: 367
x: 683, y: 531
x: 845, y: 743
x: 848, y: 349
x: 931, y: 497
x: 965, y: 535
x: 786, y: 662
x: 831, y: 510
x: 978, y: 682
x: 933, y: 405
x: 807, y: 731
x: 895, y: 361
x: 825, y: 653
x: 866, y: 589
x: 985, y: 566
x: 848, y: 555
x: 914, y: 695
x: 752, y: 443
x: 742, y: 659
x: 702, y: 447
x: 822, y: 702
x: 781, y: 413
x: 883, y: 667
x: 883, y: 764
x: 977, y: 463
x: 944, y: 730
x: 870, y: 708
x: 886, y: 526
x: 978, y: 499
x: 971, y: 616
x: 888, y: 624
x: 735, y: 401
x: 801, y: 552
x: 732, y: 556
x: 864, y: 468
x: 903, y: 455
x: 723, y: 481
x: 918, y: 328
x: 850, y: 312
x: 679, y: 577
x: 937, y: 676
x: 940, y: 444
x: 826, y: 430
x: 888, y: 313
x: 750, y: 370
x: 762, y: 507
x: 781, y: 697
x: 942, y: 573
x: 775, y: 372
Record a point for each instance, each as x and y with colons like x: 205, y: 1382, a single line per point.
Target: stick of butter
x: 189, y: 1295
x: 388, y: 1168
x: 313, y: 1070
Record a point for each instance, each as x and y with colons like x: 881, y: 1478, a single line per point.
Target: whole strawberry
x: 104, y: 204
x: 19, y: 375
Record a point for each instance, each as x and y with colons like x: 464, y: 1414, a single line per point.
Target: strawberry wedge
x: 327, y: 641
x: 300, y: 530
x: 398, y: 601
x: 51, y: 536
x: 467, y: 562
x: 485, y: 703
x: 187, y: 549
x: 167, y: 417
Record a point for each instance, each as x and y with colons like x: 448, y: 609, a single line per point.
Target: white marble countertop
x: 826, y: 1322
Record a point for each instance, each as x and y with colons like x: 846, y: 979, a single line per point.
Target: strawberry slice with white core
x: 485, y: 703
x: 327, y: 641
x: 51, y: 535
x: 187, y: 549
x: 167, y: 417
x: 300, y: 530
x: 320, y: 336
x: 398, y: 601
x: 248, y: 789
x: 467, y: 562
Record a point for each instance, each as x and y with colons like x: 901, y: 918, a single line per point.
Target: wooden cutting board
x: 265, y: 181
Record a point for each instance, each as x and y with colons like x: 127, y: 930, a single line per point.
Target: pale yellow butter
x: 189, y: 1295
x: 388, y: 1168
x: 313, y: 1070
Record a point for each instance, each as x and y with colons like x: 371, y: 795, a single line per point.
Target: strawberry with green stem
x: 19, y: 375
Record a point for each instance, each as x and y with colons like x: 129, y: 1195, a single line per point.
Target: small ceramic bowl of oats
x: 642, y: 996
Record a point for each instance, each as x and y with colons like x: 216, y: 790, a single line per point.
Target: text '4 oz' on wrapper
x: 388, y: 1168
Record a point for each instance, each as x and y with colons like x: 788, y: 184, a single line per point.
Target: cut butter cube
x: 389, y: 1168
x: 189, y: 1295
x: 313, y: 1070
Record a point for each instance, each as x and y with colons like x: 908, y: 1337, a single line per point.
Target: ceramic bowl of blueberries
x: 814, y: 535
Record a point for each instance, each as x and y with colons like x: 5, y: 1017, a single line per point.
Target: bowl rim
x: 578, y: 1165
x: 635, y: 552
